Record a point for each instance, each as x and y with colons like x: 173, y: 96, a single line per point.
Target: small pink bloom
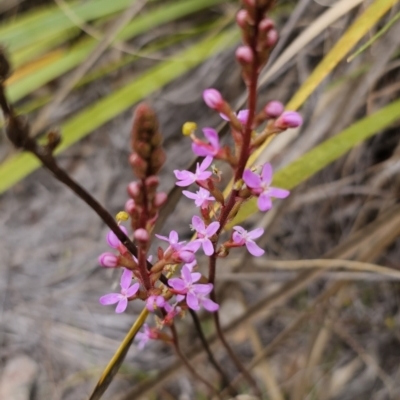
x: 202, y: 197
x: 179, y: 251
x: 194, y: 292
x: 144, y: 337
x: 243, y: 238
x: 213, y: 99
x: 186, y: 178
x: 127, y: 291
x: 260, y: 187
x: 212, y: 148
x: 204, y: 233
x: 289, y: 119
x: 108, y: 260
x: 154, y: 302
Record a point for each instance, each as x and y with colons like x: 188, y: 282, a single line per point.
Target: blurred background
x: 318, y: 316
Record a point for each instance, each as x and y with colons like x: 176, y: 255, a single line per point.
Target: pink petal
x: 239, y: 229
x: 162, y: 237
x: 264, y: 202
x: 198, y: 224
x: 254, y: 249
x: 202, y: 176
x: 266, y: 173
x: 121, y: 306
x: 132, y: 290
x: 278, y: 193
x: 177, y: 284
x: 212, y: 228
x: 190, y: 195
x: 182, y: 174
x: 208, y: 247
x: 193, y: 246
x: 251, y: 179
x: 192, y: 301
x: 238, y: 238
x: 202, y: 288
x: 126, y: 278
x: 200, y: 150
x: 196, y: 276
x: 173, y: 237
x: 212, y: 137
x: 206, y: 163
x: 255, y: 233
x: 209, y: 305
x: 185, y: 182
x: 243, y: 116
x: 110, y: 298
x: 223, y: 116
x: 186, y: 275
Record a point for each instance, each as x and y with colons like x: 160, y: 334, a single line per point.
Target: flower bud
x: 108, y: 260
x: 134, y: 189
x: 289, y: 119
x: 160, y: 199
x: 213, y: 99
x: 242, y: 18
x: 141, y: 235
x: 244, y: 55
x: 130, y: 206
x: 152, y: 182
x: 272, y: 38
x: 112, y: 239
x: 266, y: 25
x: 274, y: 109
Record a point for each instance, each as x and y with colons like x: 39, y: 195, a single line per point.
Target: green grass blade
x: 78, y: 53
x: 17, y: 167
x: 327, y: 152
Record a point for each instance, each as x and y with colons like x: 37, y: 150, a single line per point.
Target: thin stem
x: 187, y: 364
x: 225, y: 380
x: 235, y: 359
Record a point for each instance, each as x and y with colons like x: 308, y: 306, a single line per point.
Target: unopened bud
x: 289, y: 119
x: 130, y: 206
x: 134, y: 189
x: 244, y: 55
x: 108, y: 260
x: 152, y: 182
x: 274, y: 109
x: 213, y: 99
x: 141, y: 235
x: 242, y: 18
x: 272, y: 38
x: 265, y: 25
x: 160, y: 199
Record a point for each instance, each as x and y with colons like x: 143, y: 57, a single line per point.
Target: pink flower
x: 186, y: 178
x: 207, y: 149
x: 179, y: 251
x: 195, y: 293
x: 260, y: 186
x: 242, y: 116
x: 274, y: 109
x: 144, y: 337
x: 243, y: 238
x: 154, y: 302
x: 127, y: 291
x: 201, y: 198
x: 204, y: 233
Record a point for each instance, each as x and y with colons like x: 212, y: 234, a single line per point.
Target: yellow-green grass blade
x: 37, y: 25
x: 78, y: 53
x: 348, y: 40
x: 17, y: 167
x: 325, y: 153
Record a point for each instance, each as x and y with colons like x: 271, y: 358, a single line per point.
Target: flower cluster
x: 169, y: 298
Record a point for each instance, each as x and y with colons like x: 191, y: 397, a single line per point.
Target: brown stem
x: 187, y: 364
x: 225, y: 380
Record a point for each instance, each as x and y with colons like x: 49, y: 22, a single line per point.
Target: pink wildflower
x: 195, y: 292
x: 204, y: 233
x: 186, y: 178
x: 202, y: 197
x: 154, y: 302
x: 144, y: 337
x: 179, y: 251
x: 207, y: 149
x: 127, y: 291
x: 260, y: 186
x: 243, y: 238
